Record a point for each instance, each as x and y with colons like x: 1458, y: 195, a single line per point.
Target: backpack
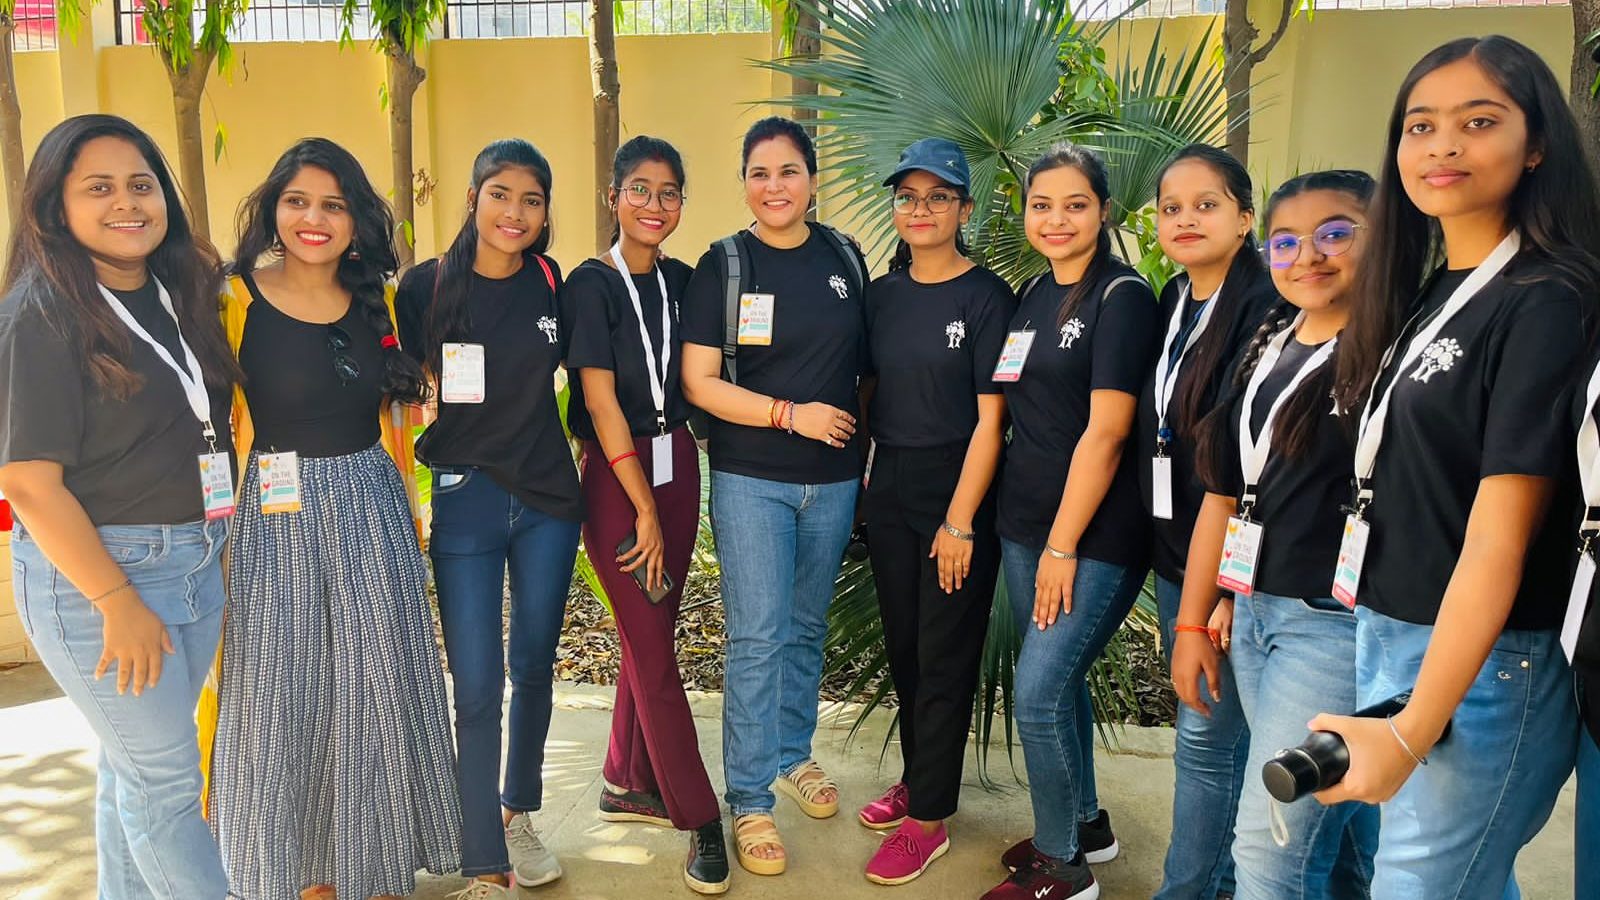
x: 1111, y: 285
x: 739, y: 276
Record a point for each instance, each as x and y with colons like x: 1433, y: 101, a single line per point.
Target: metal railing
x: 35, y: 25
x: 1163, y: 9
x: 263, y: 20
x: 570, y: 18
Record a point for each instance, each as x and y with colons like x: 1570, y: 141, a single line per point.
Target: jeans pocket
x: 1325, y: 606
x: 131, y: 553
x: 449, y: 480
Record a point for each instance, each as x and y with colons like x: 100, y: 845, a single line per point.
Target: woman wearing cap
x: 936, y: 323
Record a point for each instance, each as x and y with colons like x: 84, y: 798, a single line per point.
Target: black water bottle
x: 856, y: 549
x: 1322, y: 760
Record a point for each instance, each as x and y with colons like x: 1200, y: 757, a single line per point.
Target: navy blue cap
x: 939, y: 157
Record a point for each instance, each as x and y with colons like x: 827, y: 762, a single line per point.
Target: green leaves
x: 399, y: 25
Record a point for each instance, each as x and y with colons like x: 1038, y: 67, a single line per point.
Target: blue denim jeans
x: 1587, y: 834
x: 1054, y: 716
x: 1292, y: 659
x: 1209, y: 767
x: 780, y: 546
x: 1454, y: 830
x: 150, y: 839
x: 479, y: 529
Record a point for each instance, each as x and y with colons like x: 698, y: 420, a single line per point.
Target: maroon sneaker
x: 633, y: 806
x: 1020, y: 856
x: 1049, y: 879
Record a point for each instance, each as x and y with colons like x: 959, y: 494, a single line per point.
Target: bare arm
x: 1094, y: 464
x: 134, y: 637
x: 977, y: 474
x: 704, y: 386
x: 1193, y: 653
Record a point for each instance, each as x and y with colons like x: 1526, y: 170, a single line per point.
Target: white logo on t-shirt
x: 547, y: 324
x: 1438, y: 357
x: 1070, y: 332
x: 839, y: 286
x: 956, y: 331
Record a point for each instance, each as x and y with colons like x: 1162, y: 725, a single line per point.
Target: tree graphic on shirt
x: 1439, y: 356
x: 957, y: 332
x: 547, y: 324
x: 1070, y: 332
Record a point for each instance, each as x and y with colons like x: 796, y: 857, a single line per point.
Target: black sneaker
x: 633, y: 806
x: 706, y: 868
x: 1049, y: 879
x: 1098, y: 843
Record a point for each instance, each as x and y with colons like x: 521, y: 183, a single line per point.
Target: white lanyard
x: 1167, y: 368
x: 1374, y: 416
x: 658, y: 378
x: 1589, y: 474
x: 1589, y: 450
x: 193, y: 380
x: 1253, y: 452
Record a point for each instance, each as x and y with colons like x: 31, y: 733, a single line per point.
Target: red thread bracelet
x: 622, y: 456
x: 1197, y: 629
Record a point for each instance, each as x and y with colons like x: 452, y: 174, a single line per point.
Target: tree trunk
x: 188, y: 87
x: 807, y: 45
x: 1238, y: 34
x: 11, y: 170
x: 405, y: 76
x: 1586, y: 21
x: 607, y: 126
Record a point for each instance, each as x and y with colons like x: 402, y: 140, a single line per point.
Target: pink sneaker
x: 907, y: 853
x: 887, y: 811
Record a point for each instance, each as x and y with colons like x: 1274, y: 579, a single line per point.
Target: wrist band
x: 622, y: 456
x: 1059, y: 554
x: 957, y: 533
x: 1409, y: 752
x: 772, y: 413
x: 1194, y: 629
x: 126, y: 583
x: 788, y: 411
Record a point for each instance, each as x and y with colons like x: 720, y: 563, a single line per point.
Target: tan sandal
x: 805, y: 784
x: 758, y: 830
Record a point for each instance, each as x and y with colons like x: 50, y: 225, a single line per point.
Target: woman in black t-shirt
x: 936, y: 323
x: 327, y: 587
x: 641, y: 482
x: 1471, y: 316
x: 1072, y: 534
x: 1205, y: 215
x: 780, y: 382
x: 484, y: 320
x: 114, y: 385
x: 1277, y: 470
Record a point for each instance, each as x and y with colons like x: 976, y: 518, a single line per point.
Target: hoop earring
x: 354, y: 254
x: 276, y: 247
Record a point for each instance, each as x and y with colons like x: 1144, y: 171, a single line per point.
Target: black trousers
x: 934, y: 640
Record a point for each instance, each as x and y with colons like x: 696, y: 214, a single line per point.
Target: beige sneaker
x: 531, y: 861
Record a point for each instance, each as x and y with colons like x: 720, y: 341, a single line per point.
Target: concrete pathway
x: 47, y: 831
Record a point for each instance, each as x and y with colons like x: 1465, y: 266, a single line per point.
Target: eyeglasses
x: 344, y: 365
x: 639, y: 195
x: 1330, y: 239
x: 938, y: 202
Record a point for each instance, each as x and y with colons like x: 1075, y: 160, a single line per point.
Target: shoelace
x: 904, y: 843
x: 521, y: 836
x: 710, y: 846
x: 897, y: 794
x: 477, y: 890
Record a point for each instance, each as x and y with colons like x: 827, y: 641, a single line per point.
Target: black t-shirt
x: 603, y: 333
x: 818, y: 353
x: 1474, y: 404
x: 515, y: 435
x: 1106, y: 345
x: 1300, y: 499
x: 934, y: 347
x: 297, y: 400
x: 1257, y: 297
x: 128, y: 462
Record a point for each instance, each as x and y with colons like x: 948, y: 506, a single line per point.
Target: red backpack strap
x: 549, y: 276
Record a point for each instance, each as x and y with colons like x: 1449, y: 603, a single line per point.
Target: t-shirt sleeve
x: 586, y: 305
x: 1124, y: 340
x: 1539, y: 359
x: 993, y: 314
x: 702, y: 308
x: 411, y: 310
x: 42, y: 394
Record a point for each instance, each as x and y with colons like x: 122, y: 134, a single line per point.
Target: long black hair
x: 1305, y: 407
x: 364, y: 270
x: 51, y: 270
x: 635, y: 153
x: 778, y: 127
x: 1554, y: 206
x: 1210, y: 352
x: 448, y: 315
x: 1089, y: 164
x: 902, y: 250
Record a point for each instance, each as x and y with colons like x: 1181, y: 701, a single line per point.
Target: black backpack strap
x: 1029, y: 285
x: 846, y: 249
x: 733, y: 266
x: 1119, y: 281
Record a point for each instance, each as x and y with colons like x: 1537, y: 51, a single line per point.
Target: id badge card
x: 216, y: 485
x: 1577, y: 603
x: 660, y: 460
x: 755, y: 319
x: 280, y: 482
x: 462, y: 380
x: 1161, y: 487
x: 1352, y: 553
x: 1014, y: 355
x: 1241, y: 548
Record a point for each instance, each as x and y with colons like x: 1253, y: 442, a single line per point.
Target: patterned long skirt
x: 333, y: 760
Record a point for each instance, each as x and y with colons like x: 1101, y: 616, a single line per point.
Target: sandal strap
x: 756, y: 830
x: 811, y: 780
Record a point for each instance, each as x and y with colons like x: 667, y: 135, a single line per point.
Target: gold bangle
x: 1059, y: 554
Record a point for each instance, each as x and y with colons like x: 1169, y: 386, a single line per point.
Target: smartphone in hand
x: 641, y: 574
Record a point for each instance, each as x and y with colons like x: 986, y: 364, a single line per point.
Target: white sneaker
x: 531, y: 861
x: 482, y: 890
